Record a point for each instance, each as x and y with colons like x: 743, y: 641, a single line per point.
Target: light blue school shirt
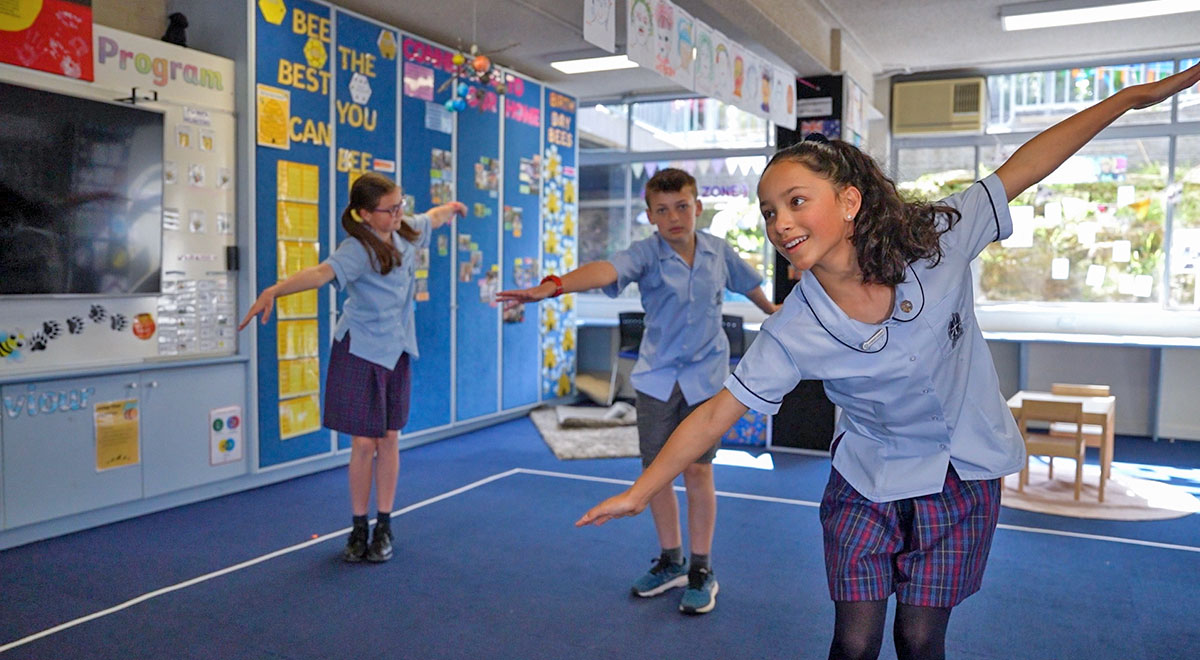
x: 917, y: 391
x: 378, y: 312
x: 683, y: 341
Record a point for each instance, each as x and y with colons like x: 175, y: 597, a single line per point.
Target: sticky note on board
x: 1060, y: 268
x: 1086, y: 232
x: 1121, y: 251
x: 1143, y: 285
x: 1022, y: 235
x: 1125, y: 196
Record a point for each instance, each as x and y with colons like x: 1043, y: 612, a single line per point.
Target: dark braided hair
x: 889, y: 232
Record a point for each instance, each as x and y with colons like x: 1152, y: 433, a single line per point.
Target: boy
x: 683, y: 360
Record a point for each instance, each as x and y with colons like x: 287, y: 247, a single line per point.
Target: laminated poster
x: 117, y: 434
x: 273, y: 106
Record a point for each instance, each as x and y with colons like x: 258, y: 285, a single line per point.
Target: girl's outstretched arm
x: 312, y: 277
x: 690, y: 440
x: 1050, y: 148
x: 445, y: 213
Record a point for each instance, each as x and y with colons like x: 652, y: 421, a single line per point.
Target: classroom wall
x: 482, y: 380
x: 147, y: 18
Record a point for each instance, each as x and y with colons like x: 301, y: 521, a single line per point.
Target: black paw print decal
x: 119, y: 322
x: 97, y: 314
x: 52, y: 329
x: 75, y: 325
x: 37, y: 342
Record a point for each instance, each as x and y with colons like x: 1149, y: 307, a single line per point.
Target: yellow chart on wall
x: 298, y: 182
x: 296, y: 221
x: 298, y: 377
x: 117, y: 441
x: 297, y: 339
x: 301, y: 305
x: 299, y: 416
x: 295, y: 256
x: 273, y: 112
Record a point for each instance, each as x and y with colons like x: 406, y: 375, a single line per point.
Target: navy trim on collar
x: 920, y: 290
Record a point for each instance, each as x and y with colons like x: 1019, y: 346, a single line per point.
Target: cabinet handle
x: 153, y: 383
x: 132, y: 386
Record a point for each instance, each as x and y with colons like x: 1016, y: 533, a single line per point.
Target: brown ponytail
x: 365, y: 194
x: 889, y: 232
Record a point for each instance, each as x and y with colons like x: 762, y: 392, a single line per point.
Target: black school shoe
x: 356, y: 545
x: 380, y: 549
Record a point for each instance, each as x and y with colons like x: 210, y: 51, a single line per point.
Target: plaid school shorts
x: 930, y: 550
x: 363, y: 398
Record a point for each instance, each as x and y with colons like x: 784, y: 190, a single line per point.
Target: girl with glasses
x: 367, y: 386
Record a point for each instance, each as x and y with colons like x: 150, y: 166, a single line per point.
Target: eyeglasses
x: 394, y: 211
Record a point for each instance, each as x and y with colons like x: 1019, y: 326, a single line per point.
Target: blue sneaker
x: 663, y: 575
x: 701, y: 593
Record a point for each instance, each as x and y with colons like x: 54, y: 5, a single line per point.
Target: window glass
x: 729, y: 198
x: 1189, y: 99
x: 934, y: 173
x: 1091, y: 231
x: 603, y: 128
x: 694, y: 124
x: 1035, y: 100
x: 603, y: 217
x: 1185, y: 227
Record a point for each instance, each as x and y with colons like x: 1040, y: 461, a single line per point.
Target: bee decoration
x: 11, y: 344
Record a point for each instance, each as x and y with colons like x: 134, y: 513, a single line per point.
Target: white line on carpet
x: 486, y: 480
x: 237, y: 567
x: 806, y: 503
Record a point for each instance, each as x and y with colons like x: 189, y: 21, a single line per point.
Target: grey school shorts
x: 657, y: 420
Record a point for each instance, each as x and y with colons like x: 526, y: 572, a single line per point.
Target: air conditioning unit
x: 939, y: 107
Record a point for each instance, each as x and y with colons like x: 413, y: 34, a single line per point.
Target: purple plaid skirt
x: 363, y: 398
x: 930, y: 550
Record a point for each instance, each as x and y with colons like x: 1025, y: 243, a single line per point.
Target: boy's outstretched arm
x: 1045, y: 152
x: 588, y: 276
x: 701, y: 430
x: 760, y: 300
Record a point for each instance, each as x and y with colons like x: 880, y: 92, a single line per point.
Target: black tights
x: 919, y: 633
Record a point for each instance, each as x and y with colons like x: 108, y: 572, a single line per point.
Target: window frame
x: 594, y: 305
x: 1155, y: 318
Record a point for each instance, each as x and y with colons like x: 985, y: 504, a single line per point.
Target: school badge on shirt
x: 955, y: 330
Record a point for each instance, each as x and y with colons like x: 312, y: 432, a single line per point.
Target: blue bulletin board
x: 338, y: 95
x: 364, y: 80
x: 560, y: 213
x: 520, y: 268
x: 293, y: 64
x: 477, y: 245
x: 427, y: 174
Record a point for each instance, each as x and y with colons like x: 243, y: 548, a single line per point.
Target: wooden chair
x: 1091, y: 432
x: 1045, y: 444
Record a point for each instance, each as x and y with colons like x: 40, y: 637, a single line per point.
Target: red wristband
x: 557, y: 284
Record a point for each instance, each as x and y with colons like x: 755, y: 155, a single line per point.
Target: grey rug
x: 572, y: 443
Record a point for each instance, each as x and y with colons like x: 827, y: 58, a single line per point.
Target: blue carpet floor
x: 498, y: 571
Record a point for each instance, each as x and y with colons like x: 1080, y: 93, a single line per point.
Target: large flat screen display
x: 80, y: 195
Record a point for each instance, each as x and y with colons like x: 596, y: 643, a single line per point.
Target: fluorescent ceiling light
x: 594, y: 64
x: 1057, y: 13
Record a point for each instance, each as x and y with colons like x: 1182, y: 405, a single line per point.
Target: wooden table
x: 1098, y: 410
